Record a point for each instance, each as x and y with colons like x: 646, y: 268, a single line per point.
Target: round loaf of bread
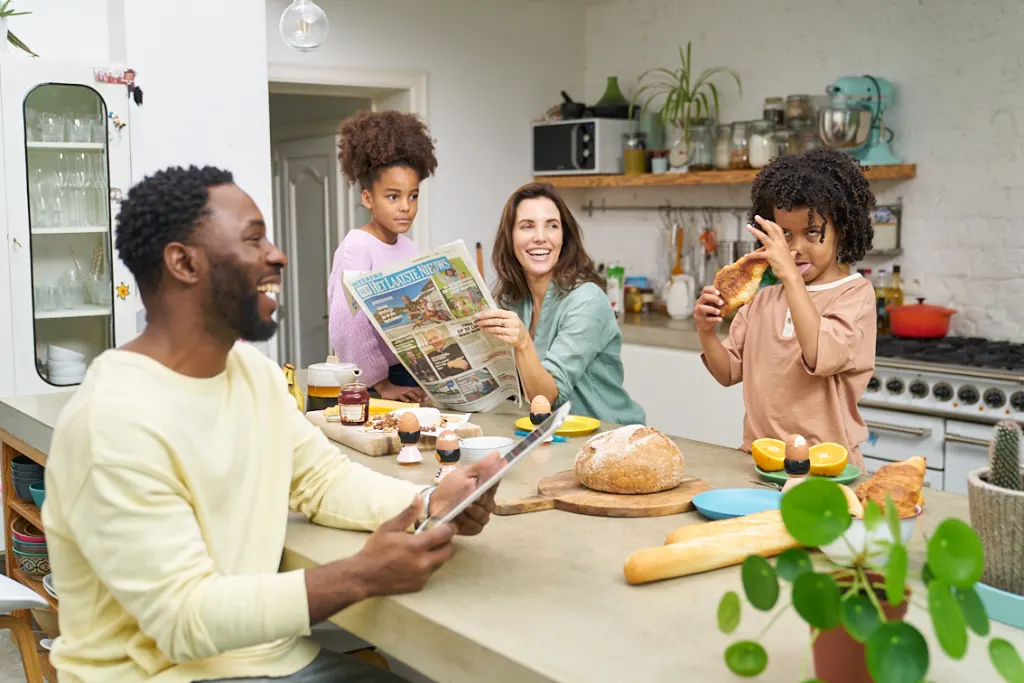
x: 632, y: 459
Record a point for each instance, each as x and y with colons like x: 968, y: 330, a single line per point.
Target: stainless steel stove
x: 939, y: 398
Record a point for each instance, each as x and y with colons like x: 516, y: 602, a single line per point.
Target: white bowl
x: 477, y: 447
x: 858, y: 538
x: 62, y: 354
x: 65, y: 365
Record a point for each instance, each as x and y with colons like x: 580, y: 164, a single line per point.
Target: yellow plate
x: 574, y: 425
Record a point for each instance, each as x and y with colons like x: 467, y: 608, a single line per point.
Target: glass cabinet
x: 66, y: 166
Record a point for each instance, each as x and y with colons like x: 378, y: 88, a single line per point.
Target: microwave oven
x: 578, y: 146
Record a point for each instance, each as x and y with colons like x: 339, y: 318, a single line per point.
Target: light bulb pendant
x: 304, y: 25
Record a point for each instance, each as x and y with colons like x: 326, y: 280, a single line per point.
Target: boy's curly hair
x: 827, y: 182
x: 372, y: 142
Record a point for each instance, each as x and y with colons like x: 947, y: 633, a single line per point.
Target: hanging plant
x: 7, y: 11
x: 687, y: 99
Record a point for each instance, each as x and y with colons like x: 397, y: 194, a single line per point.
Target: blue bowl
x: 728, y: 503
x: 38, y: 492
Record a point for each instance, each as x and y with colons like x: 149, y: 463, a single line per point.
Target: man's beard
x: 233, y: 303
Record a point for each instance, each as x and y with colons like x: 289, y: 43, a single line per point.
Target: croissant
x: 903, y: 481
x: 738, y: 282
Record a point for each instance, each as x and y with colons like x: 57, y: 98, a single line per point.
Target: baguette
x: 703, y: 552
x: 768, y: 519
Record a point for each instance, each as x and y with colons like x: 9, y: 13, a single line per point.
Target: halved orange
x: 769, y: 454
x: 827, y: 459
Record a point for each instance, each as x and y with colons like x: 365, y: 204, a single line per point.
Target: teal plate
x: 845, y: 477
x: 728, y: 503
x: 1006, y: 608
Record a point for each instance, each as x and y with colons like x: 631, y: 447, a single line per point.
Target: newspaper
x: 423, y: 308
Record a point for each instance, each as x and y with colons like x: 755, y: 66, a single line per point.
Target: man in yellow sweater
x: 174, y: 466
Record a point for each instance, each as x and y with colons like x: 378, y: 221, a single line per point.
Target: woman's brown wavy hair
x: 574, y: 265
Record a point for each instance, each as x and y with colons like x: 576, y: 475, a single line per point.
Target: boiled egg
x: 447, y: 441
x: 408, y: 423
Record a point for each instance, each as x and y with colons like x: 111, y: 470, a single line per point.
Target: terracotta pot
x: 920, y: 320
x: 838, y: 658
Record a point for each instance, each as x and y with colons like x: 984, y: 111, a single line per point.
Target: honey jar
x: 354, y: 404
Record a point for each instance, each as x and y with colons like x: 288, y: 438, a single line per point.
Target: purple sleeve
x: 353, y: 337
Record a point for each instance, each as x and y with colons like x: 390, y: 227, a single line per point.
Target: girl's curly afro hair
x: 372, y: 142
x: 827, y: 182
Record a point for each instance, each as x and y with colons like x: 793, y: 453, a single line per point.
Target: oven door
x: 966, y: 450
x: 896, y: 436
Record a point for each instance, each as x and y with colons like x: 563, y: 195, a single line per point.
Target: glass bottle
x: 762, y: 146
x: 774, y: 110
x: 722, y: 147
x: 634, y: 152
x: 739, y: 147
x: 894, y: 297
x: 702, y: 147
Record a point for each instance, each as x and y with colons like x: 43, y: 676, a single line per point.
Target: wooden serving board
x: 564, y: 491
x: 378, y: 443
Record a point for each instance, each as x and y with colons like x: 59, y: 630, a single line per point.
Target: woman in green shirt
x: 554, y: 311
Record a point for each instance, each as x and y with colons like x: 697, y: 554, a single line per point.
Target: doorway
x: 314, y: 206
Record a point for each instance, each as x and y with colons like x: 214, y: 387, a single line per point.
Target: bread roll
x: 726, y: 546
x: 633, y: 459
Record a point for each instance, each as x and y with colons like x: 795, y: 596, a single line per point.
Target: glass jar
x: 722, y: 147
x: 785, y: 141
x: 809, y: 141
x: 774, y: 110
x: 739, y: 147
x: 702, y: 147
x: 798, y: 109
x: 634, y: 152
x: 634, y: 299
x: 762, y: 147
x: 354, y: 404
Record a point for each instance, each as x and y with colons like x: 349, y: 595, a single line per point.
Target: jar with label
x: 702, y: 147
x: 739, y: 147
x: 798, y: 110
x: 354, y: 404
x: 634, y: 300
x: 762, y: 145
x: 722, y: 147
x: 634, y: 152
x: 774, y: 110
x: 809, y: 141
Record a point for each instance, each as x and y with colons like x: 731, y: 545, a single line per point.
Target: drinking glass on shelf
x: 46, y: 297
x: 51, y: 127
x: 77, y: 129
x: 72, y: 289
x: 98, y: 130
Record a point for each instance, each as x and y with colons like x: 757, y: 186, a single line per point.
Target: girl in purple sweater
x: 388, y: 153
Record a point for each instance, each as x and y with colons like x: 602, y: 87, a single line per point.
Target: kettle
x: 681, y: 296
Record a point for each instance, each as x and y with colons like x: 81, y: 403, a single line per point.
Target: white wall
x: 492, y: 66
x: 959, y: 116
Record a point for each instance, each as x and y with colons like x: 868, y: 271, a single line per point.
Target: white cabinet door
x: 681, y: 397
x: 7, y: 387
x: 63, y: 156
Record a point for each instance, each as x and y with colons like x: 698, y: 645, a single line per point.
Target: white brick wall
x: 959, y: 72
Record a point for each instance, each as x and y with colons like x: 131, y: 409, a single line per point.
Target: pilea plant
x: 850, y: 596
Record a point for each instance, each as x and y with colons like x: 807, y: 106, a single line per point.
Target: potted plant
x: 854, y: 609
x: 687, y: 97
x: 996, y: 502
x: 6, y: 11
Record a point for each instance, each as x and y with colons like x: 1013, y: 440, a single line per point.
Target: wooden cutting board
x: 564, y: 491
x: 378, y: 443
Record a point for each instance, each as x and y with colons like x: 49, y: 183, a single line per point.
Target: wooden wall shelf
x: 895, y: 172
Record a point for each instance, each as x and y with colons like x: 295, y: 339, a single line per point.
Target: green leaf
x: 746, y: 658
x: 973, y: 609
x: 896, y: 653
x: 859, y: 616
x: 816, y: 597
x: 947, y: 619
x: 896, y: 575
x: 815, y: 513
x: 926, y: 574
x: 759, y: 582
x: 792, y: 563
x: 872, y: 515
x: 955, y: 553
x: 729, y: 612
x: 892, y: 516
x: 1006, y: 660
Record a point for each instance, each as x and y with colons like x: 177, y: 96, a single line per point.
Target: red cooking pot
x: 920, y: 320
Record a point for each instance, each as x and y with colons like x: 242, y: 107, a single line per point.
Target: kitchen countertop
x: 541, y: 596
x: 654, y: 329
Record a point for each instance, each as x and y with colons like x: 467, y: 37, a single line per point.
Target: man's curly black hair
x: 372, y: 142
x: 163, y: 208
x: 827, y: 182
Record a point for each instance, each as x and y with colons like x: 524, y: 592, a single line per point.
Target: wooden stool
x: 14, y: 596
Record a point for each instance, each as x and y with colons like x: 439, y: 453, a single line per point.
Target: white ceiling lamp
x: 304, y: 25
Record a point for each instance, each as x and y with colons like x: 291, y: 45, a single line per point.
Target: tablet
x: 528, y: 443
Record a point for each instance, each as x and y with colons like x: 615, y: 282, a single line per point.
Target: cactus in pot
x: 996, y: 499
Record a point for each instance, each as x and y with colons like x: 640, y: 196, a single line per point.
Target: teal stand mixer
x: 853, y: 120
